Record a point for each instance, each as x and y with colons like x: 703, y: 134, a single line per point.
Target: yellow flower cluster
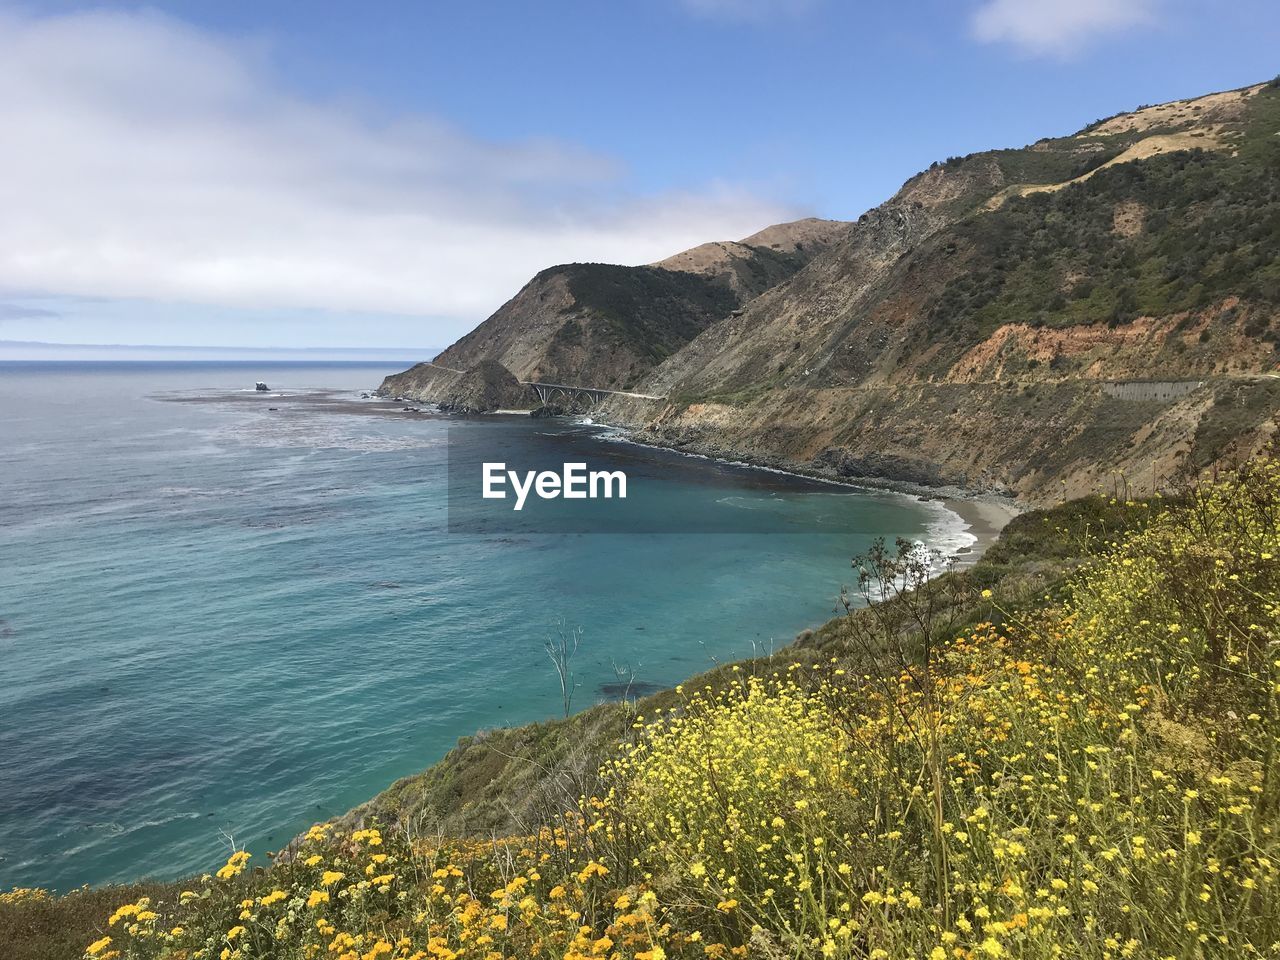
x: 234, y: 865
x: 24, y: 895
x: 1094, y: 778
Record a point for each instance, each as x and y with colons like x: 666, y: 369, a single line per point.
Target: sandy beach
x: 985, y: 519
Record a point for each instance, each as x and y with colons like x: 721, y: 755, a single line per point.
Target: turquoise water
x: 221, y: 621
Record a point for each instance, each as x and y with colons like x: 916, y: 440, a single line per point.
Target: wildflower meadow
x: 1092, y: 775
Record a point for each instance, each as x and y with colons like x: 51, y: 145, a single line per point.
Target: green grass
x: 58, y: 928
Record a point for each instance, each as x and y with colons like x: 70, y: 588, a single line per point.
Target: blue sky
x: 387, y: 173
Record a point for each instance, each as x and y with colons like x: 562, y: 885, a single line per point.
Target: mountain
x: 1167, y: 211
x: 1028, y: 321
x: 608, y: 326
x: 752, y: 265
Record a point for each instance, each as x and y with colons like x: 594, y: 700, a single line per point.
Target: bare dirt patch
x: 1215, y: 108
x: 1203, y: 138
x: 1045, y: 344
x: 711, y: 257
x: 1127, y: 218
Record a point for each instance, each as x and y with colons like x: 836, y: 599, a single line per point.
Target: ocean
x: 220, y: 623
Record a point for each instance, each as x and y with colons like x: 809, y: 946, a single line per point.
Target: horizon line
x: 193, y: 346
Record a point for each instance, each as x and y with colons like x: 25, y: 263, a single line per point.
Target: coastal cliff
x: 994, y: 326
x: 614, y: 324
x: 1035, y: 441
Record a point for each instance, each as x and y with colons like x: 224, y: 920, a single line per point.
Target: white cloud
x: 146, y: 159
x: 1056, y: 27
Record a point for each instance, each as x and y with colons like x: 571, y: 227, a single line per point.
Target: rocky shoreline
x: 984, y: 512
x: 927, y: 491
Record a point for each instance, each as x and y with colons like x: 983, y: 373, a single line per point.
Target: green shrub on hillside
x: 1211, y: 229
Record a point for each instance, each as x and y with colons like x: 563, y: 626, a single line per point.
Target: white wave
x: 950, y: 535
x: 101, y: 833
x: 739, y: 503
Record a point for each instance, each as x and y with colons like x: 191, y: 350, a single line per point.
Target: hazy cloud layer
x: 20, y: 311
x: 146, y: 159
x: 1056, y: 27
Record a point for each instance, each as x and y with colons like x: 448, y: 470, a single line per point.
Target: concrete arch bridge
x: 548, y: 393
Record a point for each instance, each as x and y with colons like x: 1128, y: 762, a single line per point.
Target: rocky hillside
x: 763, y: 260
x: 608, y: 326
x: 1016, y: 319
x: 1030, y: 321
x: 486, y: 386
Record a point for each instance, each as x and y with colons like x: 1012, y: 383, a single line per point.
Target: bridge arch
x: 548, y: 392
